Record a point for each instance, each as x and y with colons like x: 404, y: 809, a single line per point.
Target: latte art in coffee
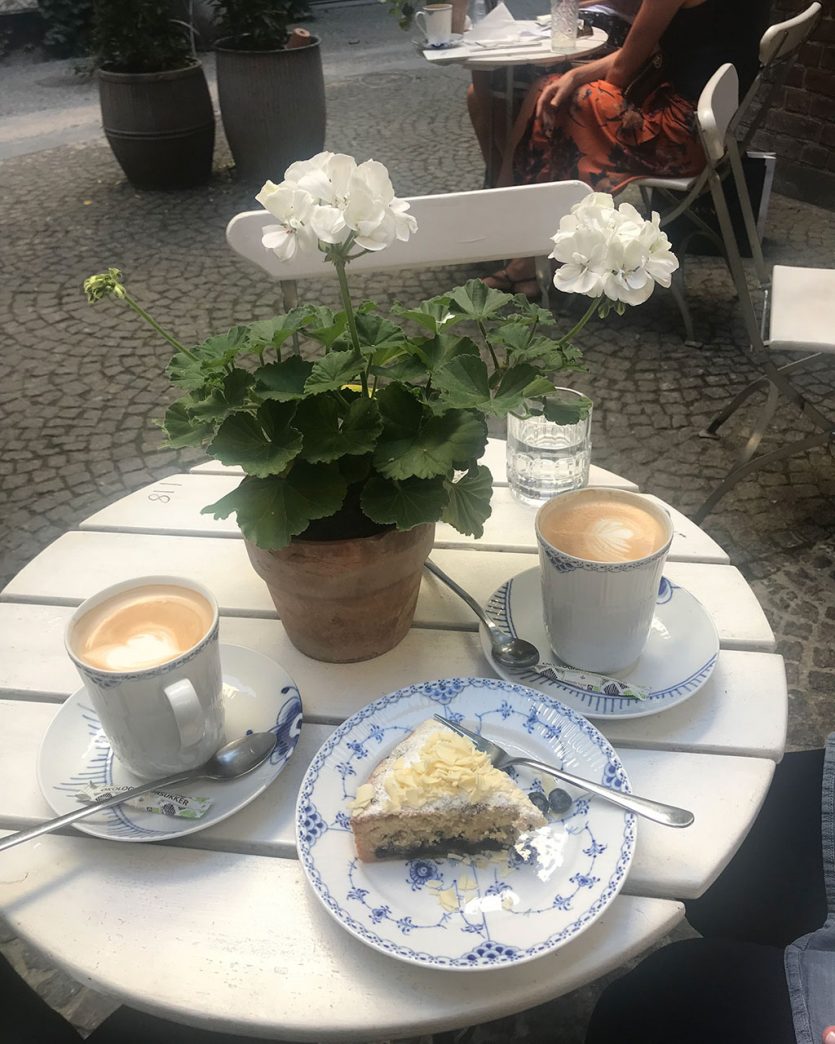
x: 601, y: 528
x: 142, y: 628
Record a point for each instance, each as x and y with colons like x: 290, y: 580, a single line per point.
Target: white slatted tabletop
x: 220, y: 929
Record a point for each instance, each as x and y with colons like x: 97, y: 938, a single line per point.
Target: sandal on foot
x: 501, y: 280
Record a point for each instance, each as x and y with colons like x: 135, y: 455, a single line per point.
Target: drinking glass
x: 564, y: 15
x: 545, y: 458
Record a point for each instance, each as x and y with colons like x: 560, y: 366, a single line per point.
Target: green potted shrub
x: 352, y: 451
x: 156, y: 109
x: 270, y: 85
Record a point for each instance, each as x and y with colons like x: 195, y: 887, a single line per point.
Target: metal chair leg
x: 737, y: 474
x: 543, y: 278
x: 678, y: 290
x: 710, y: 432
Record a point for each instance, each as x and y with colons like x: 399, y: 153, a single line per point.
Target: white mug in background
x: 435, y: 22
x: 601, y: 557
x: 147, y: 651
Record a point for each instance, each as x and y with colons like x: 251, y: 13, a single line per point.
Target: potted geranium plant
x: 350, y: 458
x: 270, y: 84
x: 156, y: 109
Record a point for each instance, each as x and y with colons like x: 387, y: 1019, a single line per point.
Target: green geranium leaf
x: 444, y: 442
x: 230, y: 395
x: 431, y: 315
x: 403, y: 504
x: 207, y: 361
x: 409, y: 369
x: 355, y: 469
x: 325, y: 326
x: 402, y: 413
x: 517, y: 384
x: 331, y: 432
x: 374, y: 331
x: 523, y: 347
x: 463, y: 383
x: 263, y: 444
x: 437, y: 351
x: 469, y: 501
x: 566, y: 413
x: 474, y: 300
x: 530, y: 311
x: 272, y: 511
x: 182, y: 428
x: 335, y: 370
x: 283, y: 381
x: 274, y: 332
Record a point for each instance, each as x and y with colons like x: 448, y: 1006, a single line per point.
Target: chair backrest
x: 778, y: 44
x: 454, y: 228
x: 717, y: 105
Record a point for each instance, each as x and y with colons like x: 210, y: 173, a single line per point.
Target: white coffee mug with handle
x: 598, y: 613
x: 435, y: 22
x: 164, y: 718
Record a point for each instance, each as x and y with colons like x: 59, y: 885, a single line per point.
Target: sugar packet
x: 162, y: 802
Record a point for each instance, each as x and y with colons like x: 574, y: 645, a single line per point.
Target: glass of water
x: 564, y: 14
x: 546, y: 457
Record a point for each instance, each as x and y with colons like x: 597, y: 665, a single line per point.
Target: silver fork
x: 668, y: 815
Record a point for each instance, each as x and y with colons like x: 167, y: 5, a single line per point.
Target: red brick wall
x: 800, y: 127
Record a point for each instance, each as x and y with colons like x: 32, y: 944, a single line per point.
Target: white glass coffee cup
x: 163, y: 718
x: 435, y: 22
x: 598, y: 605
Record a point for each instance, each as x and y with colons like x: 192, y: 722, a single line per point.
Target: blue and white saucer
x: 454, y: 41
x: 258, y: 696
x: 677, y: 660
x: 466, y: 913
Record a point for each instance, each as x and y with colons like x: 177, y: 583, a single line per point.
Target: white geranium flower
x: 583, y: 254
x: 611, y: 251
x: 343, y: 199
x: 627, y: 278
x: 293, y: 208
x: 329, y: 224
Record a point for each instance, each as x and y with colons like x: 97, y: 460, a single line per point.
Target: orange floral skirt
x: 604, y: 140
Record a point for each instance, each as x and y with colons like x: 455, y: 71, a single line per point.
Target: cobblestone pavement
x: 82, y: 386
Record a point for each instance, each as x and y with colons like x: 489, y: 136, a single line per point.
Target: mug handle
x: 421, y: 25
x: 188, y: 711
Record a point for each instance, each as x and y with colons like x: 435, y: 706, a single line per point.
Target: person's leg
x: 772, y: 891
x: 699, y: 991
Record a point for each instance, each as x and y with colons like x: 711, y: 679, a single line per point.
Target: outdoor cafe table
x: 220, y: 928
x: 540, y: 52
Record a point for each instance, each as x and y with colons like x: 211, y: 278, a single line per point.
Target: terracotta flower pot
x: 346, y: 600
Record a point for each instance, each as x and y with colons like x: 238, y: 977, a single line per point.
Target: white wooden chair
x: 453, y: 228
x: 778, y: 49
x: 799, y: 306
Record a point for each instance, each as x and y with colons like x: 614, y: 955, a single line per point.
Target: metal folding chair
x: 798, y: 310
x: 778, y: 49
x: 454, y: 228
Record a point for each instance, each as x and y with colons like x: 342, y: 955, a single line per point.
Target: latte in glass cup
x: 601, y: 553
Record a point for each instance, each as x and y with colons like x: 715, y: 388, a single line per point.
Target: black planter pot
x: 273, y: 107
x: 161, y: 126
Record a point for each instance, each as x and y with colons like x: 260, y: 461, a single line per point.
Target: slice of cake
x: 435, y: 793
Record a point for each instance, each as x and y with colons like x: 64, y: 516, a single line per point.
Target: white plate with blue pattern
x: 468, y: 913
x: 258, y: 695
x: 679, y: 656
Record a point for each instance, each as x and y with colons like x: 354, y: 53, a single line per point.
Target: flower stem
x: 483, y: 330
x: 582, y: 322
x: 175, y: 344
x: 339, y: 264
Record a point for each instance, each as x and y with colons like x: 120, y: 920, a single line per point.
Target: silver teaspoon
x: 231, y: 761
x: 510, y: 652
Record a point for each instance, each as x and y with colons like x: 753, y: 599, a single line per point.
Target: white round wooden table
x: 220, y: 929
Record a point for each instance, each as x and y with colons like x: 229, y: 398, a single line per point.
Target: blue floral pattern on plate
x: 75, y: 751
x: 464, y: 912
x: 678, y: 659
